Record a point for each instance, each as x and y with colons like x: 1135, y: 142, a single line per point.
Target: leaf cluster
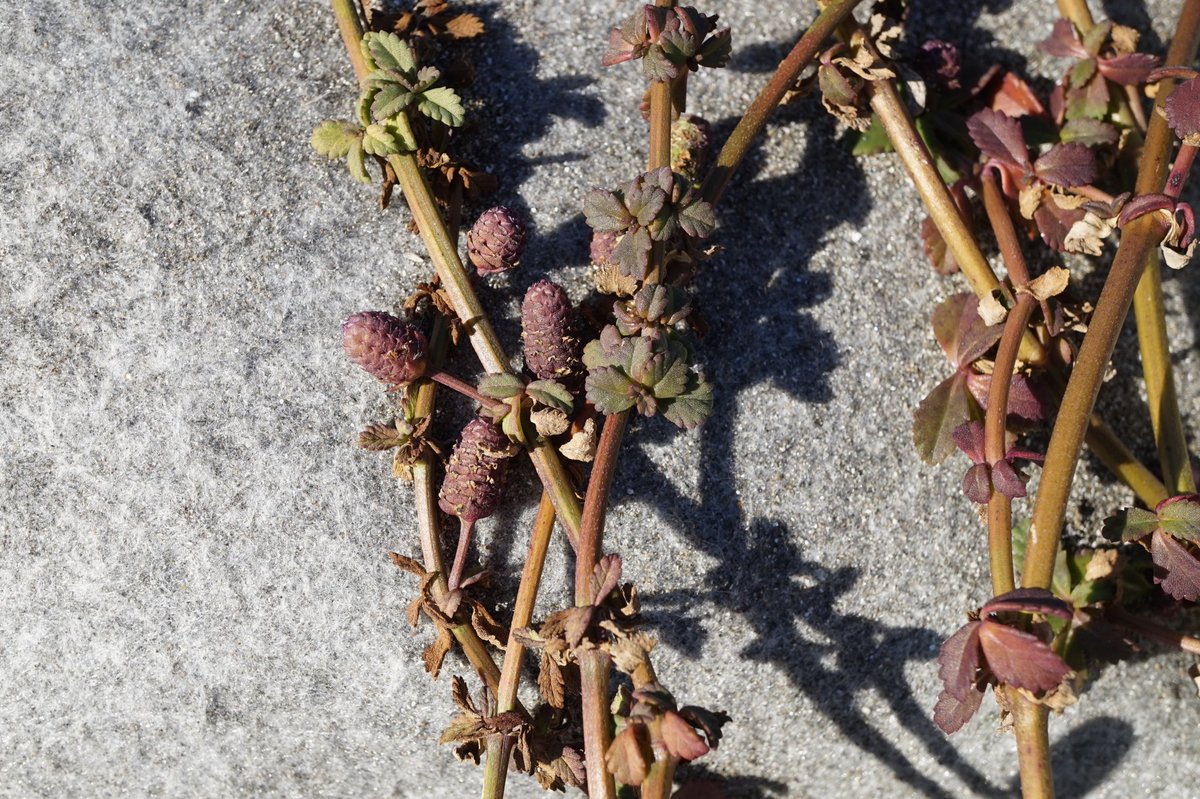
x: 669, y: 41
x: 1171, y: 533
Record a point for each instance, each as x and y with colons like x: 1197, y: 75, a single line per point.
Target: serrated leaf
x: 691, y: 409
x: 958, y: 660
x: 1089, y: 101
x: 960, y: 331
x: 442, y: 104
x: 551, y: 681
x: 697, y: 219
x: 551, y: 394
x: 1082, y: 72
x: 1089, y: 132
x: 632, y: 253
x: 1180, y: 517
x: 463, y: 728
x: 1130, y: 69
x: 1020, y: 659
x: 386, y: 50
x: 390, y: 100
x: 333, y: 138
x: 1130, y: 524
x: 951, y: 713
x: 610, y: 390
x: 464, y: 26
x: 1183, y: 110
x: 669, y: 383
x: 1176, y: 569
x: 604, y: 578
x: 716, y: 50
x: 1067, y: 165
x: 501, y: 386
x: 945, y: 408
x: 657, y: 67
x: 977, y: 484
x: 1055, y: 222
x: 354, y: 160
x: 378, y: 140
x: 999, y: 136
x: 606, y: 212
x: 435, y: 653
x: 1094, y: 37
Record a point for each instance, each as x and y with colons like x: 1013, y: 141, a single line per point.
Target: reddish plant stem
x: 1155, y: 632
x: 460, y: 554
x: 768, y: 99
x: 464, y: 388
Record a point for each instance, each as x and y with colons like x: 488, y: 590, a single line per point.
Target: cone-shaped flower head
x: 385, y: 347
x: 548, y: 325
x: 496, y: 240
x: 474, y: 481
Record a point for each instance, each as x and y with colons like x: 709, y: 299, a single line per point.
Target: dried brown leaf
x: 436, y: 652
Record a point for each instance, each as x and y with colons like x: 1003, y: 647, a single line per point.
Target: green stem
x: 1078, y: 12
x: 661, y: 777
x: 1138, y: 239
x: 499, y: 747
x: 760, y: 110
x: 350, y: 26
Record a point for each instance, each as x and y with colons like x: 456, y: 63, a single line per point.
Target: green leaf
x: 551, y: 394
x: 390, y: 100
x: 1180, y: 518
x: 333, y: 138
x: 1130, y: 524
x: 378, y: 140
x: 947, y: 406
x: 1089, y: 132
x: 363, y: 108
x: 610, y: 390
x: 656, y: 66
x: 691, y: 409
x: 873, y: 140
x: 443, y: 105
x: 698, y: 220
x: 674, y: 382
x: 501, y: 386
x: 354, y: 160
x: 1082, y: 72
x: 388, y: 51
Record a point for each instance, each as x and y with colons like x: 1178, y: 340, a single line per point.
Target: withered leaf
x: 1176, y: 569
x: 436, y: 652
x: 464, y: 26
x: 631, y: 650
x: 577, y: 621
x: 707, y: 721
x: 551, y: 682
x: 462, y: 728
x: 487, y: 627
x: 462, y: 696
x: 629, y: 756
x: 1019, y: 658
x: 679, y: 738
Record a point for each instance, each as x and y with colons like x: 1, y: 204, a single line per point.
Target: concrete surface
x: 194, y: 597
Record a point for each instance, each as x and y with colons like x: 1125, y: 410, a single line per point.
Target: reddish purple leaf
x: 1183, y: 108
x: 1054, y: 222
x: 1027, y: 600
x: 999, y: 136
x: 951, y: 713
x: 977, y: 484
x: 1128, y: 70
x: 1012, y: 96
x: 1176, y: 569
x: 960, y: 331
x: 968, y: 437
x: 1007, y: 480
x: 1019, y: 658
x: 958, y: 660
x: 1063, y: 41
x: 1025, y: 403
x: 1067, y: 165
x: 680, y: 738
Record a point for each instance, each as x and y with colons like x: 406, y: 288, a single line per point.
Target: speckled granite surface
x: 194, y: 598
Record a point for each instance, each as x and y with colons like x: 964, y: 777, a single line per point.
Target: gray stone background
x: 194, y: 594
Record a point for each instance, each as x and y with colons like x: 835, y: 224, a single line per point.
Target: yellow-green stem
x: 1078, y: 12
x: 1033, y: 745
x: 1138, y: 240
